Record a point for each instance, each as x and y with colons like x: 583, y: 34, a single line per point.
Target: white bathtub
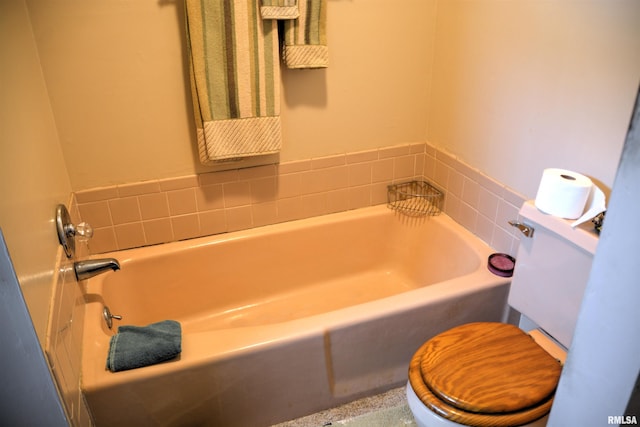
x: 284, y: 320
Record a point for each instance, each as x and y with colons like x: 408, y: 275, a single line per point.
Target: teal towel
x: 138, y: 346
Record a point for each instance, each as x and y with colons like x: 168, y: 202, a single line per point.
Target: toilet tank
x: 551, y: 272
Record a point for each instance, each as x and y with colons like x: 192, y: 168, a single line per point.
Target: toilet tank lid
x: 583, y: 236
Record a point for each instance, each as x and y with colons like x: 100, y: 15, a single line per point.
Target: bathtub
x: 284, y: 320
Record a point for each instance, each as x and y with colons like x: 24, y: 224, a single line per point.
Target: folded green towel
x: 305, y: 38
x: 138, y: 346
x: 279, y: 9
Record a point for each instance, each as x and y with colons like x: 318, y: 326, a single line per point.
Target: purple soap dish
x: 501, y: 264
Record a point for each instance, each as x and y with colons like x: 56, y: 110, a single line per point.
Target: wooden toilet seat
x: 485, y: 374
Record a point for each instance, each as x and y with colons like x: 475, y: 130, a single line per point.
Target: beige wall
x: 33, y: 176
x: 516, y: 86
x: 509, y: 87
x: 116, y: 75
x: 524, y: 85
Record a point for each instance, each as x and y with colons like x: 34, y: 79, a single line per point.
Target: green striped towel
x: 279, y: 9
x: 235, y: 78
x: 305, y: 38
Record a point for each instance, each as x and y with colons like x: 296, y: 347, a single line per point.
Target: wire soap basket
x: 415, y: 198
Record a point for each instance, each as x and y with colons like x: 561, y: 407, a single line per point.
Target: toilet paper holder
x: 524, y: 228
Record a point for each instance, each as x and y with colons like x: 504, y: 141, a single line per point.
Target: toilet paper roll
x: 596, y: 204
x: 569, y: 195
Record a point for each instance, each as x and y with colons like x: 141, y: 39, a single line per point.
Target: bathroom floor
x: 388, y: 409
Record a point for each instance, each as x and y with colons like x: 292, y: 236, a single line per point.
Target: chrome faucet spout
x: 89, y: 268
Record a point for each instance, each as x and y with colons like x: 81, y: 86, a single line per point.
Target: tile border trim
x: 164, y: 210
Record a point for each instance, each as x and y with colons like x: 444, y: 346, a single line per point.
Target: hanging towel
x: 138, y: 346
x: 279, y: 9
x: 305, y: 38
x: 235, y: 79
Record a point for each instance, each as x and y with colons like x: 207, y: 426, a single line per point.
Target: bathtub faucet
x: 87, y: 269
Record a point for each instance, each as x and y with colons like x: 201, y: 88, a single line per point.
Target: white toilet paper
x: 566, y: 194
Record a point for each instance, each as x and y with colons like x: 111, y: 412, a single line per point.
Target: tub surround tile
x: 295, y: 166
x: 125, y: 209
x: 441, y: 174
x: 157, y: 231
x: 418, y: 148
x: 238, y: 218
x: 257, y: 172
x: 419, y: 163
x: 209, y: 197
x: 319, y: 180
x: 288, y: 185
x: 359, y: 174
x: 399, y: 151
x: 182, y: 201
x: 289, y: 209
x: 218, y: 177
x: 468, y: 217
x: 178, y: 183
x: 429, y: 167
x: 263, y: 189
x: 470, y: 192
x: 130, y: 235
x: 484, y: 228
x: 153, y: 206
x: 103, y: 240
x: 362, y: 156
x: 487, y: 203
x: 379, y: 193
x: 185, y: 226
x: 97, y: 214
x: 152, y: 212
x: 96, y: 195
x: 313, y: 205
x: 337, y: 201
x: 359, y: 197
x: 382, y: 170
x: 212, y: 222
x: 264, y: 213
x: 329, y: 161
x: 236, y: 194
x: 404, y: 167
x: 137, y: 189
x: 455, y: 182
x: 65, y: 327
x: 477, y: 201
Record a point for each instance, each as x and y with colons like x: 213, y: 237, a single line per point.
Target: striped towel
x: 235, y: 78
x: 279, y: 9
x: 305, y: 38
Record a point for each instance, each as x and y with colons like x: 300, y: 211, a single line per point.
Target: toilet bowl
x: 482, y: 374
x: 495, y: 374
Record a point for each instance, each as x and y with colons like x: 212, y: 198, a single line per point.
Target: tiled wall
x: 64, y: 336
x: 475, y: 200
x: 152, y: 212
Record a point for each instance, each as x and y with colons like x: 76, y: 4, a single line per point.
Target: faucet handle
x: 84, y: 231
x: 67, y: 231
x: 108, y: 317
x: 524, y: 228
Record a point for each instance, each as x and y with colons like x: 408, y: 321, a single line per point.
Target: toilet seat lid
x: 488, y: 368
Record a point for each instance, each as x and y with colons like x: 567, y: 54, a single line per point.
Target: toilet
x: 499, y: 374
